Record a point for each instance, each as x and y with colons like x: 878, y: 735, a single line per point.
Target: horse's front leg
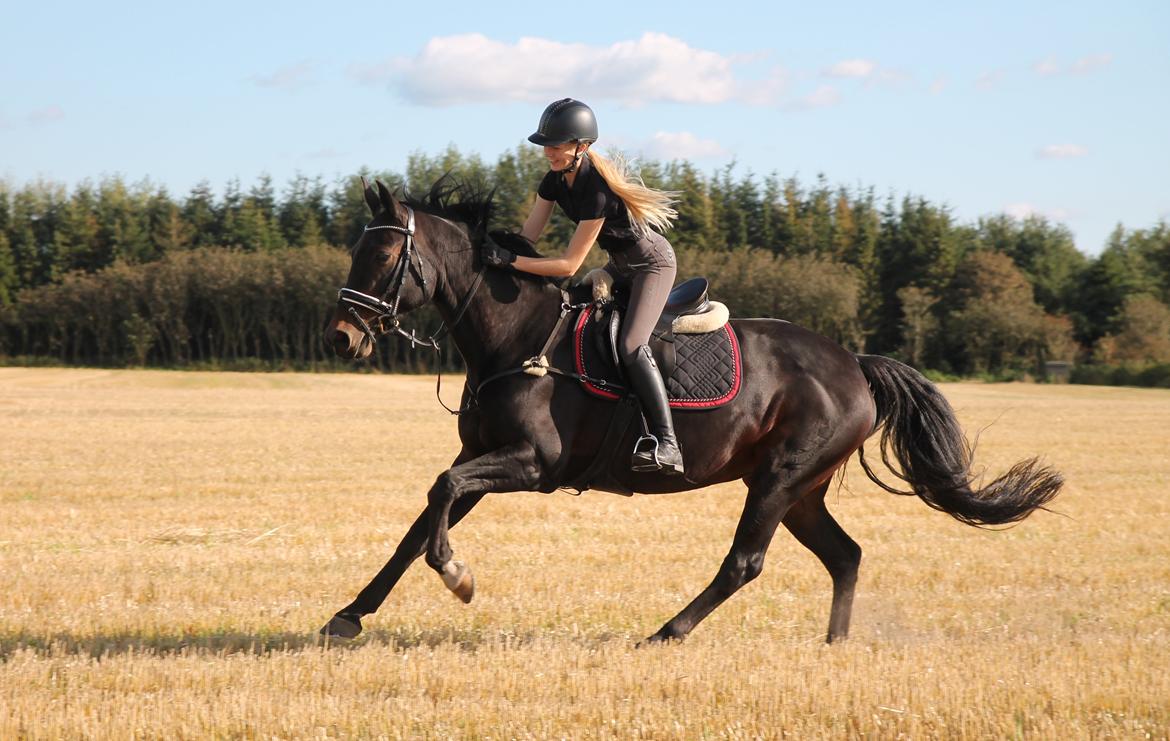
x: 347, y: 623
x: 512, y: 468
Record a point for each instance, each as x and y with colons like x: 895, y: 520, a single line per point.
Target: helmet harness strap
x: 578, y: 153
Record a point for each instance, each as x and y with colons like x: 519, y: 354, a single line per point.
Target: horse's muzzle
x: 346, y: 340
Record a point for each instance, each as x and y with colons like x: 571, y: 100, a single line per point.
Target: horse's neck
x: 494, y: 334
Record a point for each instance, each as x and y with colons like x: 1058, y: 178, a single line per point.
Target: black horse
x: 805, y: 407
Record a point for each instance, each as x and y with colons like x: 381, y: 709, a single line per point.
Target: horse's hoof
x: 658, y: 639
x: 346, y: 627
x: 458, y: 578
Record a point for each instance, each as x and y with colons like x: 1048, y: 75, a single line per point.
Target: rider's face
x: 560, y: 156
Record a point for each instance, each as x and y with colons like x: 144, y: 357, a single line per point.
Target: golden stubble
x: 172, y: 541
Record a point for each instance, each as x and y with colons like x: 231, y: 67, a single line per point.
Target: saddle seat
x: 688, y: 309
x: 688, y: 297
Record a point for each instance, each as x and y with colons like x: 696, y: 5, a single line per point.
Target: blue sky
x: 1058, y: 108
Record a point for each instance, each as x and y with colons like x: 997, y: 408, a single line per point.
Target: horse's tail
x: 933, y: 457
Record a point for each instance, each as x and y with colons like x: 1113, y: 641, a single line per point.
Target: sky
x: 1054, y: 108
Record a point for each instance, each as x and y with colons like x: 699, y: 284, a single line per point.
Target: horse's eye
x: 382, y: 257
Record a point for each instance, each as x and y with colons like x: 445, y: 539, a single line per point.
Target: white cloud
x: 823, y: 97
x: 472, y: 68
x: 46, y: 115
x: 288, y: 77
x: 1023, y: 210
x: 1090, y: 63
x: 326, y: 153
x: 1046, y: 67
x: 939, y: 84
x: 682, y: 145
x: 865, y: 69
x: 989, y: 80
x: 1050, y: 66
x: 858, y: 68
x: 1061, y: 151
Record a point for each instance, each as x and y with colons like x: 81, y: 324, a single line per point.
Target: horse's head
x: 388, y: 276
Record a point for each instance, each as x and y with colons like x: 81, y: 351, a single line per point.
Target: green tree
x: 695, y: 226
x: 1119, y: 271
x: 997, y: 324
x: 917, y: 245
x: 348, y: 210
x: 123, y: 231
x: 168, y: 230
x: 1143, y: 331
x: 1044, y: 251
x: 201, y: 216
x: 919, y: 322
x: 303, y: 214
x: 78, y: 237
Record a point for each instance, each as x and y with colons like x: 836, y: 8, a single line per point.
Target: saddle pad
x: 707, y: 370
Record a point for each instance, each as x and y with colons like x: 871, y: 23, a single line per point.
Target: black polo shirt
x: 590, y: 197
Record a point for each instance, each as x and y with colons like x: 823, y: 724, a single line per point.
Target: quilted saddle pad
x: 701, y: 371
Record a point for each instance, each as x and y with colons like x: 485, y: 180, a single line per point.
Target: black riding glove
x: 496, y: 256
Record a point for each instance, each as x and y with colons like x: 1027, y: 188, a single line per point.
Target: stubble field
x: 170, y: 543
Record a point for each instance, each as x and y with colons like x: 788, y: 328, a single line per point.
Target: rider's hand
x: 496, y: 256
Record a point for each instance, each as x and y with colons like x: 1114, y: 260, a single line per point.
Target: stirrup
x: 651, y: 451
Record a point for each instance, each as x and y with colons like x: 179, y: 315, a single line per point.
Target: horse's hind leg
x: 810, y: 522
x: 772, y: 490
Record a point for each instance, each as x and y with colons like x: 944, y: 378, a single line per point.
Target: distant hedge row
x: 896, y: 276
x: 1152, y: 376
x: 228, y: 308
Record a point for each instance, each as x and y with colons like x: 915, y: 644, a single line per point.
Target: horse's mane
x: 472, y: 205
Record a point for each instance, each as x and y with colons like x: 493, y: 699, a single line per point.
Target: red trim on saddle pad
x: 579, y: 362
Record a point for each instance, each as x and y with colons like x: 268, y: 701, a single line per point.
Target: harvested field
x: 170, y: 543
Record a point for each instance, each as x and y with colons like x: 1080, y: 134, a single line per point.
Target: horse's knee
x: 738, y: 571
x: 444, y: 490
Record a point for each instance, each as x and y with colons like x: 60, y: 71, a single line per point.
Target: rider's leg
x: 653, y: 263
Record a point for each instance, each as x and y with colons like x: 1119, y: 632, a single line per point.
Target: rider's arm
x: 537, y: 219
x: 567, y: 264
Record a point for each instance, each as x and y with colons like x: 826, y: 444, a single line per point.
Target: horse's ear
x: 371, y: 196
x: 387, y: 200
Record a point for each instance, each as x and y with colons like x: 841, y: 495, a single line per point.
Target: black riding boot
x: 647, y: 384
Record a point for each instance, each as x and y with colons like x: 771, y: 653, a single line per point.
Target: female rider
x: 615, y: 209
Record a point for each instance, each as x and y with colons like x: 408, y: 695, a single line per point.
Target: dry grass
x: 171, y: 541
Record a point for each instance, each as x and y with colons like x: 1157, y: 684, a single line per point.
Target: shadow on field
x: 121, y: 643
x: 230, y: 642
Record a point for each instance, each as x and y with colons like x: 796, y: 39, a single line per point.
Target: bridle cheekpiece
x: 385, y: 309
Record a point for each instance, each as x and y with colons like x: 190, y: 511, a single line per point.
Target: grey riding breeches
x: 648, y: 268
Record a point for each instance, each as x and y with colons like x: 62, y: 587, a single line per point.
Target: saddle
x: 694, y: 346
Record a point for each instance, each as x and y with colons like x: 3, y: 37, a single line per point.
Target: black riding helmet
x: 565, y: 120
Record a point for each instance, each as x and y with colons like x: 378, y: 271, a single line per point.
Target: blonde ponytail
x: 649, y: 209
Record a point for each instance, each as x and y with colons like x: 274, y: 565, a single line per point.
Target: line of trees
x: 116, y: 273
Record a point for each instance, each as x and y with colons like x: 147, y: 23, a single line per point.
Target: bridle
x: 385, y: 319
